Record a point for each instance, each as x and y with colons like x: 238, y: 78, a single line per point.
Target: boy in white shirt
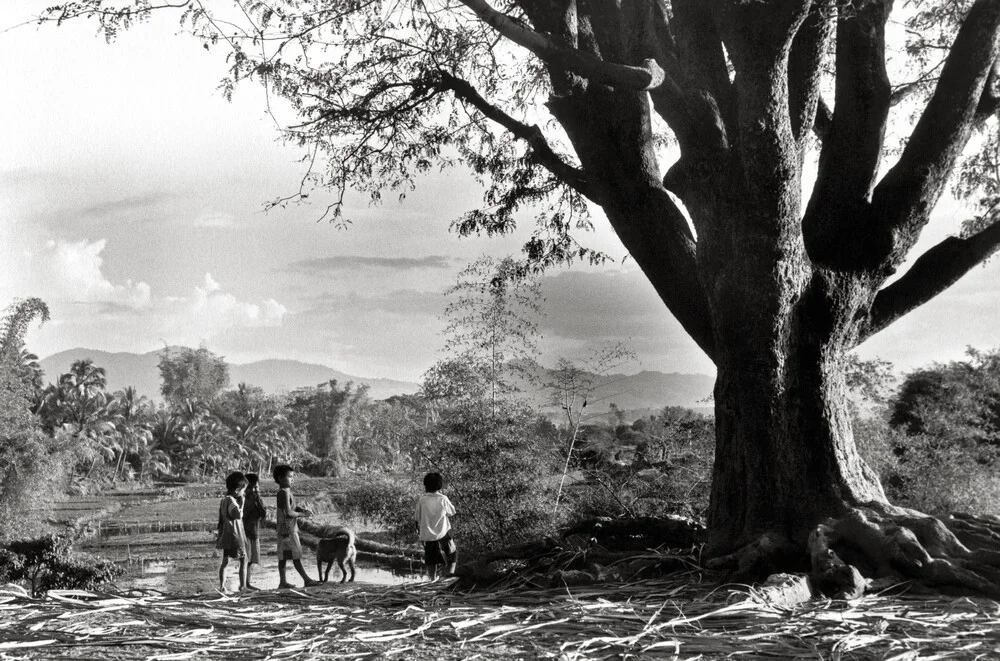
x: 433, y: 510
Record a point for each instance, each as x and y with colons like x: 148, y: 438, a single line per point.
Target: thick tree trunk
x: 785, y: 453
x: 773, y: 296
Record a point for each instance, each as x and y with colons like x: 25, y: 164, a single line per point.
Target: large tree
x: 192, y: 375
x: 562, y: 105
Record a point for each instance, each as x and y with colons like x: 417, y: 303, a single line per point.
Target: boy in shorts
x: 433, y: 510
x: 289, y: 545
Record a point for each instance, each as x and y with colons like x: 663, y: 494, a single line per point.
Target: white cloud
x: 216, y: 220
x: 88, y: 308
x: 72, y: 271
x: 210, y: 310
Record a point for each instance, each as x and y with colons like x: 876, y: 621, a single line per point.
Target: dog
x: 339, y: 548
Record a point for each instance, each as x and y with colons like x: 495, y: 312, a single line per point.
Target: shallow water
x: 194, y: 575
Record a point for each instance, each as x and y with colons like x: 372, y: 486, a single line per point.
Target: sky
x: 131, y: 201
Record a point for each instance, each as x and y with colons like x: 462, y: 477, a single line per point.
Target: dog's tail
x: 344, y: 533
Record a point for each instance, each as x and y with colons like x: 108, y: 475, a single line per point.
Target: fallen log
x: 312, y: 531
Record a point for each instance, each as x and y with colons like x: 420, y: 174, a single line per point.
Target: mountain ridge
x: 647, y: 390
x: 272, y: 374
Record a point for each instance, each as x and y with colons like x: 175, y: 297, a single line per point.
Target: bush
x: 928, y: 473
x: 497, y: 475
x: 47, y: 563
x: 669, y: 470
x: 388, y: 501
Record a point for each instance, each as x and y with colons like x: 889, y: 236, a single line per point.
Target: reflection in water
x: 192, y: 575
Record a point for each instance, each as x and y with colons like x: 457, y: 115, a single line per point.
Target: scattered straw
x: 674, y: 617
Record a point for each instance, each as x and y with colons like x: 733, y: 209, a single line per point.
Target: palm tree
x: 77, y: 407
x: 131, y: 414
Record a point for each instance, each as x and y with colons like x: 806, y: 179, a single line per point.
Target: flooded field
x: 166, y: 539
x: 196, y: 575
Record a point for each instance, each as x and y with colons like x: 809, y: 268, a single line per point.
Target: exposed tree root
x: 546, y: 563
x: 879, y: 545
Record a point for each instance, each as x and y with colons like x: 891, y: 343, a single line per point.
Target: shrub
x: 385, y: 500
x: 669, y: 470
x: 47, y: 563
x: 497, y: 475
x: 929, y: 473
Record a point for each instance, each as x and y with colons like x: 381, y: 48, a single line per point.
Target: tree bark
x: 785, y: 453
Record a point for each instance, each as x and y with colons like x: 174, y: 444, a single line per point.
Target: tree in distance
x: 562, y: 106
x: 192, y: 375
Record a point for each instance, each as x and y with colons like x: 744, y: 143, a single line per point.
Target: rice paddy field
x: 176, y: 612
x: 166, y: 538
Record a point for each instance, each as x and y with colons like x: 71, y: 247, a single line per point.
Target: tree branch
x: 936, y: 270
x: 656, y: 234
x: 904, y: 199
x: 823, y: 121
x: 619, y: 76
x: 804, y: 67
x: 701, y: 59
x: 989, y: 102
x: 571, y: 176
x: 852, y: 149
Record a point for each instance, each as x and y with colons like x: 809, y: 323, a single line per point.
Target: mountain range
x: 142, y: 372
x: 644, y: 391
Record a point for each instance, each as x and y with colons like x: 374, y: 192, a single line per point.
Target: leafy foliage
x: 496, y: 473
x: 492, y: 329
x: 257, y: 427
x: 384, y: 499
x: 330, y: 416
x: 936, y: 446
x: 660, y: 465
x: 196, y: 375
x: 30, y: 461
x: 958, y: 403
x: 48, y: 563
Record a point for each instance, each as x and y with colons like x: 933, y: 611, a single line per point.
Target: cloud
x: 72, y: 271
x: 397, y: 335
x: 89, y: 308
x: 210, y: 310
x: 585, y: 310
x: 585, y: 305
x: 405, y: 302
x: 216, y: 220
x: 130, y: 205
x: 323, y: 265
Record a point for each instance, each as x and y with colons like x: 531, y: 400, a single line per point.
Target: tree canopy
x: 195, y: 375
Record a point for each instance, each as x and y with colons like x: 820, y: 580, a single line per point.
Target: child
x: 289, y: 546
x: 232, y: 538
x: 433, y: 510
x: 254, y: 512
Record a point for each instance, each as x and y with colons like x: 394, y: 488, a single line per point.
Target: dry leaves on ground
x: 676, y: 617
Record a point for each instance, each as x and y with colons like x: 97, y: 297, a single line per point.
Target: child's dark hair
x: 281, y: 470
x: 433, y: 482
x: 252, y: 481
x: 235, y: 480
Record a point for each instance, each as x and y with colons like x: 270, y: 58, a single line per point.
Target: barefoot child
x: 232, y: 538
x: 289, y: 545
x: 433, y: 510
x: 254, y: 512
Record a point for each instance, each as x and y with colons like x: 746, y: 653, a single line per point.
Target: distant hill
x: 637, y: 394
x: 141, y: 371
